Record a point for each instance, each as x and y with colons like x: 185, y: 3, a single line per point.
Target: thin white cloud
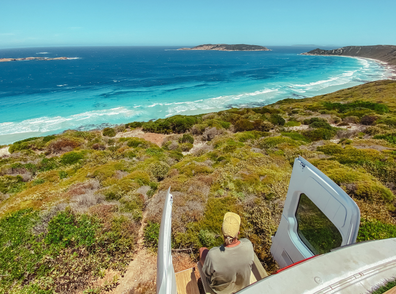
x: 7, y: 34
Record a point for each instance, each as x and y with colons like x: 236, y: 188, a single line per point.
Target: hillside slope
x: 74, y: 205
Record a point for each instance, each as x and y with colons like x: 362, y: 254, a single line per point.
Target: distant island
x: 385, y: 53
x: 33, y: 58
x: 226, y: 47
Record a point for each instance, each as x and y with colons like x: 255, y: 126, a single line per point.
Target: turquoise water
x: 100, y: 86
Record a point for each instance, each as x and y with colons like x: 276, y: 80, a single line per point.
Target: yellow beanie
x: 231, y: 223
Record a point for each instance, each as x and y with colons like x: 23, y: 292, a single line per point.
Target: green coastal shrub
x: 220, y: 124
x: 276, y: 119
x: 134, y: 125
x: 292, y: 123
x: 65, y: 229
x: 251, y: 135
x: 48, y: 164
x: 49, y: 138
x: 71, y: 158
x: 312, y: 120
x: 243, y: 125
x: 175, y: 124
x: 355, y: 182
x: 346, y: 107
x: 159, y: 169
x: 132, y: 203
x: 11, y: 184
x: 390, y: 137
x: 83, y: 243
x: 154, y: 151
x: 383, y: 289
x: 390, y: 121
x: 186, y: 138
x: 151, y: 234
x: 62, y: 174
x: 320, y: 124
x: 319, y: 134
x: 207, y: 238
x: 350, y: 155
x: 38, y: 182
x: 296, y: 136
x: 269, y: 110
x: 136, y: 142
x: 262, y: 126
x: 30, y: 143
x: 186, y: 147
x: 109, y: 132
x: 375, y: 230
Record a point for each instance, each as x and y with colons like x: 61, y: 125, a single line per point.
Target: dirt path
x: 141, y: 274
x: 142, y: 271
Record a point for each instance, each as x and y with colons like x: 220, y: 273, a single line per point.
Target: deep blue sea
x: 101, y: 86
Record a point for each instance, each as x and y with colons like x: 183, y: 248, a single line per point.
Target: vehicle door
x: 317, y: 216
x: 166, y: 279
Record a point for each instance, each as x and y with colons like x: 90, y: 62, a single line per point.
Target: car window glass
x: 315, y: 229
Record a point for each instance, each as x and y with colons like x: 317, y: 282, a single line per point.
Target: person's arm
x: 203, y: 251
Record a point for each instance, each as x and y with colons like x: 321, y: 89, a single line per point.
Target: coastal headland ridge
x: 227, y: 47
x: 384, y: 53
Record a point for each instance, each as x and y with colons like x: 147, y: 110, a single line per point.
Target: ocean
x: 104, y: 86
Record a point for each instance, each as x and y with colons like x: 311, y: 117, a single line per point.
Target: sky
x: 44, y: 23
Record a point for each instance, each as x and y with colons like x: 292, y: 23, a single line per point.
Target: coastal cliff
x: 226, y: 47
x: 385, y: 53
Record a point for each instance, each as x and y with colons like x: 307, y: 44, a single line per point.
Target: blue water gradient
x: 121, y: 84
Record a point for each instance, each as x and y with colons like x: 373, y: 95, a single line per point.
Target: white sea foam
x: 218, y: 103
x: 47, y: 124
x: 42, y: 53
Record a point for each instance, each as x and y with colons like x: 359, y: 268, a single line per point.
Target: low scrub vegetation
x: 71, y: 204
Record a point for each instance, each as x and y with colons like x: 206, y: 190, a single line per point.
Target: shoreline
x: 245, y: 101
x: 385, y: 64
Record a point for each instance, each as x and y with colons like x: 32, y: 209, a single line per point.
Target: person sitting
x: 228, y: 267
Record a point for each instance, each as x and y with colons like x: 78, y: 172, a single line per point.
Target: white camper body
x: 325, y: 202
x: 318, y: 218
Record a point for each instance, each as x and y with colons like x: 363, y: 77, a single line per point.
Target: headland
x: 226, y: 47
x: 384, y: 53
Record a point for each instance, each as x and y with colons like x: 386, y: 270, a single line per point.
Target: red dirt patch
x: 138, y: 133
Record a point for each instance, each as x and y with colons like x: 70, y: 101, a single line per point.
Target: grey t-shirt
x: 228, y: 269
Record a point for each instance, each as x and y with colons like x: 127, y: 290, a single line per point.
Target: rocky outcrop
x: 33, y: 58
x: 386, y: 53
x: 225, y: 47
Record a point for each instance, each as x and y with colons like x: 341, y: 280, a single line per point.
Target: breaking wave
x: 59, y: 123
